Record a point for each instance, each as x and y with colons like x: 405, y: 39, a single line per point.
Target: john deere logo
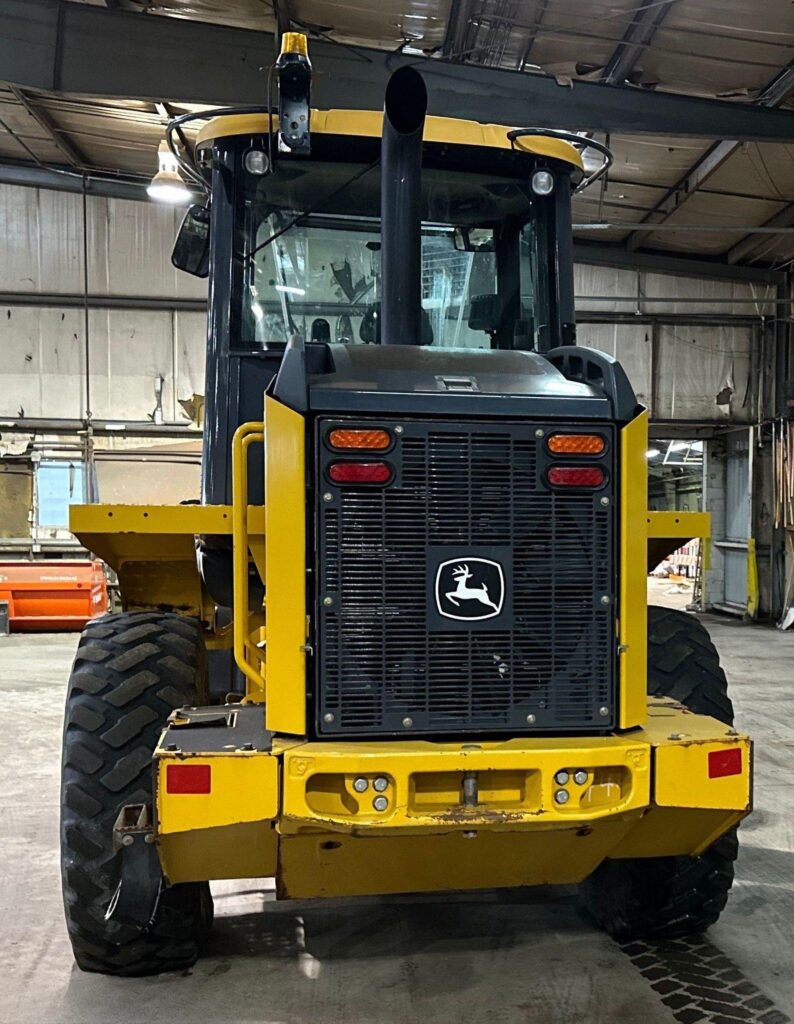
x: 470, y: 589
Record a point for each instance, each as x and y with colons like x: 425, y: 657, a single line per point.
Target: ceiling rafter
x: 70, y: 150
x: 646, y: 19
x: 772, y: 95
x: 284, y: 18
x: 783, y: 219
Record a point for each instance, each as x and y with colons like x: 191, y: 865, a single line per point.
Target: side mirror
x: 191, y: 251
x: 473, y: 239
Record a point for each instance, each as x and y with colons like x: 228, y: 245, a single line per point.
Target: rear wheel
x: 130, y: 672
x: 667, y: 897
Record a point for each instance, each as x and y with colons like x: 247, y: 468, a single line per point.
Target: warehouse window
x: 59, y: 484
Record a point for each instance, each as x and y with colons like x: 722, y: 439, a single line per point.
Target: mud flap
x: 134, y: 903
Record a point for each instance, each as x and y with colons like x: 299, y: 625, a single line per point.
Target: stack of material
x: 784, y: 509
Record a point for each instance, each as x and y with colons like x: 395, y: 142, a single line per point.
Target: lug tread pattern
x: 669, y: 897
x: 130, y: 671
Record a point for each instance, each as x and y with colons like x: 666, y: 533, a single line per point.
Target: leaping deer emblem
x: 462, y: 574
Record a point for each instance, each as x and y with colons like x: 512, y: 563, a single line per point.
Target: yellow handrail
x: 245, y: 435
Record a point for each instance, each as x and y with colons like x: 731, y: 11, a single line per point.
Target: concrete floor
x: 496, y: 957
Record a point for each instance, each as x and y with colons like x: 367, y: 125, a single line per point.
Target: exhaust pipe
x: 404, y: 112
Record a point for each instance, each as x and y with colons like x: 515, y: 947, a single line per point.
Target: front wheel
x: 130, y: 672
x: 668, y: 897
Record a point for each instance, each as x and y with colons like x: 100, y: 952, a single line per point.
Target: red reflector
x: 725, y: 762
x: 360, y: 472
x: 576, y: 476
x: 188, y: 778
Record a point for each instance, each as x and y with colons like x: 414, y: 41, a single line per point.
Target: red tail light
x: 576, y: 476
x: 360, y: 472
x: 725, y: 762
x: 188, y: 778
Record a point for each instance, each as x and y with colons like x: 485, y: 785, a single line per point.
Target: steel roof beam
x: 457, y: 30
x: 611, y: 254
x: 67, y: 180
x: 52, y: 45
x: 642, y: 28
x: 283, y: 14
x: 778, y: 90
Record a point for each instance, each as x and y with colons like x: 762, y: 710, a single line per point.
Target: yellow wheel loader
x: 403, y: 643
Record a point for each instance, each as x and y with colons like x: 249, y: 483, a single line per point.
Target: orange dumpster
x: 49, y: 596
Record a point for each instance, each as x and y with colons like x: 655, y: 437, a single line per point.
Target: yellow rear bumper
x: 532, y: 811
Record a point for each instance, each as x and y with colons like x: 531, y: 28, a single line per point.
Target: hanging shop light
x: 167, y: 185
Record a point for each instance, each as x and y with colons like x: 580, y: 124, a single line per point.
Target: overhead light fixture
x: 167, y: 185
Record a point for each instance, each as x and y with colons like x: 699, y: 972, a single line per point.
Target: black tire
x: 130, y: 671
x: 668, y: 897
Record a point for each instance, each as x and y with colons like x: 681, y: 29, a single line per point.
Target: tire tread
x: 130, y: 671
x: 669, y: 897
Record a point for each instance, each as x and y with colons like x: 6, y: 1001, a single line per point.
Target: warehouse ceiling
x: 702, y: 195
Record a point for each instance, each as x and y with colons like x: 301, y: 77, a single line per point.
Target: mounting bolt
x: 580, y: 777
x: 408, y: 722
x: 149, y: 838
x: 539, y: 433
x: 328, y: 601
x: 562, y: 777
x: 606, y: 599
x: 732, y: 732
x: 469, y: 834
x: 562, y: 796
x: 398, y: 430
x: 604, y: 711
x: 328, y: 717
x: 328, y: 496
x: 380, y: 803
x: 381, y: 784
x: 605, y: 501
x: 360, y: 785
x: 127, y: 840
x: 530, y: 719
x: 675, y: 736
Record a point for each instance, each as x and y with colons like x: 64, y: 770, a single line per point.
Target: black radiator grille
x: 388, y: 663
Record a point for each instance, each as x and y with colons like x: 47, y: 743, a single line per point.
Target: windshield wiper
x: 310, y: 210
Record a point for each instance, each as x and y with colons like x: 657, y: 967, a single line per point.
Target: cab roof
x: 368, y: 123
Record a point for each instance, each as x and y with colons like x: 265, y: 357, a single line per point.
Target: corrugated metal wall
x: 42, y: 372
x: 677, y: 369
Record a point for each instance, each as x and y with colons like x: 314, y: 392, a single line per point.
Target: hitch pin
x: 471, y: 795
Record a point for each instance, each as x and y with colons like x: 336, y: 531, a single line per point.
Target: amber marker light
x: 355, y: 439
x: 576, y: 444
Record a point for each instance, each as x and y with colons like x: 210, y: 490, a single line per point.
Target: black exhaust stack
x: 404, y: 112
